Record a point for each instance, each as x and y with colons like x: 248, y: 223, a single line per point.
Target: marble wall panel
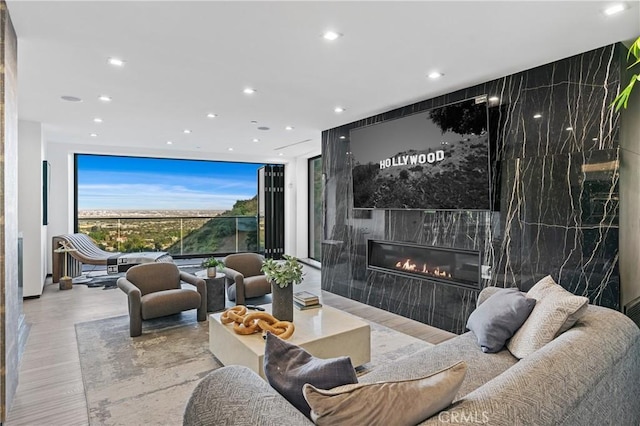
x: 575, y: 232
x: 554, y: 196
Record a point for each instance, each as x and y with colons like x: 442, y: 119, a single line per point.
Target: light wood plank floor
x: 50, y: 389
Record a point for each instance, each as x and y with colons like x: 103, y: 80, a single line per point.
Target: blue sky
x: 131, y: 183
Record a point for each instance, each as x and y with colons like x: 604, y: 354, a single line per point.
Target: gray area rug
x: 147, y: 380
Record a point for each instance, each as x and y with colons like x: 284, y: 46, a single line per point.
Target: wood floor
x: 50, y: 389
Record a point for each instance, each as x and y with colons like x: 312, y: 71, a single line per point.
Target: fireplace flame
x: 408, y: 265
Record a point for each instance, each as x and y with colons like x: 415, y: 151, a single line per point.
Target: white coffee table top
x: 323, y: 332
x: 310, y: 325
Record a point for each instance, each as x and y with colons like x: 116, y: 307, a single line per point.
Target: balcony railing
x: 180, y: 236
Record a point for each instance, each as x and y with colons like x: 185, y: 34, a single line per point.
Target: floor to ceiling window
x: 184, y: 207
x: 315, y: 208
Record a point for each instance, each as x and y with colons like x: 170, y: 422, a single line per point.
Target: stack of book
x: 304, y: 300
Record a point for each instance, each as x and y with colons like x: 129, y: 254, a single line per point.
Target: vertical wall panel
x: 10, y: 302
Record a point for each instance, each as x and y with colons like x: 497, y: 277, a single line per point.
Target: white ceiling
x: 186, y: 59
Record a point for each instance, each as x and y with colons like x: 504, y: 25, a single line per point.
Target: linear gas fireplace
x: 451, y: 266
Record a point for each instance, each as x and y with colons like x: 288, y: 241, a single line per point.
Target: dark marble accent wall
x: 554, y: 191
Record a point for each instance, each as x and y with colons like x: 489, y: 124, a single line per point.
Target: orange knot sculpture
x: 256, y: 322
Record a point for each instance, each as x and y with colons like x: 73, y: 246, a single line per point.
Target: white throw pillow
x: 398, y: 403
x: 556, y: 311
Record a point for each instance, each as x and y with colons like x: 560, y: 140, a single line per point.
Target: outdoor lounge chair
x: 87, y: 252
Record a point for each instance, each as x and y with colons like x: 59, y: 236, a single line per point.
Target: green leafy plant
x: 283, y: 273
x: 623, y: 97
x: 211, y: 262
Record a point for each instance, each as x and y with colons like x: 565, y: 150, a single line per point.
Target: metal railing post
x: 181, y: 237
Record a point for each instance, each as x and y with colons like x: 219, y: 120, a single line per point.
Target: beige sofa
x: 589, y: 375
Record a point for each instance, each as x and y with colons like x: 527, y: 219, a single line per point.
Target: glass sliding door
x: 315, y: 208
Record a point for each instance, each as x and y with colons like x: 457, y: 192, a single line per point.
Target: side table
x: 216, y: 300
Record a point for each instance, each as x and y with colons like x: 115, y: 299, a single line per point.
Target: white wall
x: 301, y: 204
x: 34, y: 234
x: 61, y: 209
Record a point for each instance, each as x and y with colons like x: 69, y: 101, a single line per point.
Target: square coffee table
x: 324, y: 332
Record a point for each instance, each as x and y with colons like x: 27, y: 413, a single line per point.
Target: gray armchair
x: 154, y: 291
x: 245, y: 280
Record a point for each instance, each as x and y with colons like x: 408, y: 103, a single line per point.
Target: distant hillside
x: 219, y: 233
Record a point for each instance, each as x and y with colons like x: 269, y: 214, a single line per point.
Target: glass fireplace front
x: 447, y: 265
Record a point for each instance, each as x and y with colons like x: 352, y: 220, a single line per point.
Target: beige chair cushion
x: 151, y: 277
x: 256, y: 286
x: 556, y: 311
x: 168, y: 302
x: 249, y: 264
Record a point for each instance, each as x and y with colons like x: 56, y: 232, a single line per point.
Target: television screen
x: 437, y: 159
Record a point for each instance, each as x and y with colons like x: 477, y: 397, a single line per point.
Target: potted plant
x: 282, y: 275
x: 212, y: 264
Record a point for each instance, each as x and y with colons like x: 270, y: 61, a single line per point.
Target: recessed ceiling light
x: 93, y: 135
x: 255, y: 140
x: 254, y: 122
x: 117, y: 62
x: 70, y: 98
x: 289, y: 128
x: 104, y: 98
x: 538, y: 115
x: 494, y: 99
x: 186, y: 131
x: 249, y: 91
x: 169, y: 143
x: 281, y: 154
x: 338, y: 109
x: 568, y: 129
x: 614, y: 8
x: 229, y: 149
x: 331, y: 35
x: 342, y: 137
x: 97, y: 120
x: 435, y: 74
x: 263, y: 128
x: 212, y: 115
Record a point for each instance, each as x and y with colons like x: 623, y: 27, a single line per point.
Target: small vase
x: 282, y: 302
x: 211, y: 272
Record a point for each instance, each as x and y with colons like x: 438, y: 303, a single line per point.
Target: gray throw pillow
x: 499, y: 317
x: 288, y: 367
